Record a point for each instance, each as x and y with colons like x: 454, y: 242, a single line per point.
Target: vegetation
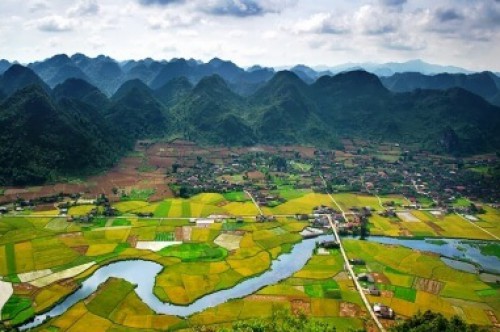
x: 190, y: 252
x: 77, y: 130
x: 283, y: 321
x: 435, y: 322
x: 69, y: 138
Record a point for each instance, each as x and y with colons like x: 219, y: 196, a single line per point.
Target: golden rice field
x: 321, y: 287
x: 419, y: 281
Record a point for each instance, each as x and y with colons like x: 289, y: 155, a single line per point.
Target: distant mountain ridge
x: 485, y: 84
x: 43, y: 128
x: 108, y: 74
x: 390, y: 68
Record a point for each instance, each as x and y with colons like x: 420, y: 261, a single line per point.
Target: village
x: 208, y: 200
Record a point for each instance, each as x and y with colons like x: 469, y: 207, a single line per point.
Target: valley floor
x: 216, y: 240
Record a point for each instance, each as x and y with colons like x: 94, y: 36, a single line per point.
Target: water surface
x: 143, y: 274
x: 464, y: 250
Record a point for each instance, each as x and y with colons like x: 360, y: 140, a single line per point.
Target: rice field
x: 413, y: 281
x: 225, y: 253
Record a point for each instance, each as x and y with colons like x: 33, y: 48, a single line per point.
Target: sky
x: 463, y: 33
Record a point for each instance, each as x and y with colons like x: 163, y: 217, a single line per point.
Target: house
x: 321, y: 222
x: 366, y: 277
x: 218, y: 217
x: 373, y: 290
x: 329, y: 245
x: 355, y: 261
x: 204, y: 223
x: 383, y: 311
x: 302, y: 217
x: 262, y: 218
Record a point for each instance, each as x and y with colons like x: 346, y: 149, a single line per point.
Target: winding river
x: 143, y: 274
x: 453, y: 250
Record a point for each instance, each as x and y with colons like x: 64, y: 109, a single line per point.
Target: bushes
x: 434, y: 322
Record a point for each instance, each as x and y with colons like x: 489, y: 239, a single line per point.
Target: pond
x: 454, y: 252
x: 143, y: 274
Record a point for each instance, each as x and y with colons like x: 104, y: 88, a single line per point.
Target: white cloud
x: 267, y: 32
x: 159, y: 2
x: 172, y: 19
x: 38, y: 6
x: 374, y: 20
x: 327, y: 23
x: 84, y: 8
x: 55, y: 23
x: 244, y: 8
x: 404, y: 42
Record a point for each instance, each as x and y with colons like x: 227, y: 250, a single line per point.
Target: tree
x: 363, y: 230
x: 435, y: 322
x: 184, y: 192
x: 282, y: 321
x: 175, y: 167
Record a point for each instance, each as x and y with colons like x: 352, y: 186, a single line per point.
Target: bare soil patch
x: 348, y: 309
x: 301, y: 306
x: 428, y: 285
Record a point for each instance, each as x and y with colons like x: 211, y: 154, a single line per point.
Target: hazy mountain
x: 308, y: 74
x: 41, y: 140
x: 387, y: 69
x: 57, y: 69
x: 4, y: 65
x: 171, y: 70
x: 81, y: 90
x: 145, y: 70
x: 356, y: 104
x: 18, y: 77
x: 103, y: 72
x: 173, y: 91
x: 287, y: 113
x: 212, y: 113
x: 482, y: 84
x: 135, y: 112
x: 128, y: 86
x: 284, y: 110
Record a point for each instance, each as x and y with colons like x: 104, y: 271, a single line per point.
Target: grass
x: 407, y: 294
x: 236, y: 196
x: 186, y: 209
x: 138, y: 195
x: 289, y: 193
x: 164, y: 236
x: 327, y: 288
x: 17, y: 308
x: 121, y: 222
x: 461, y: 202
x: 192, y: 252
x: 348, y: 200
x: 490, y: 249
x: 163, y: 209
x: 11, y: 258
x: 109, y: 295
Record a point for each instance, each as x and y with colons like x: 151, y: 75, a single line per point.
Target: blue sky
x: 268, y: 32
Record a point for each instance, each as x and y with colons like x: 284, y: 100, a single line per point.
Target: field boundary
x: 470, y: 222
